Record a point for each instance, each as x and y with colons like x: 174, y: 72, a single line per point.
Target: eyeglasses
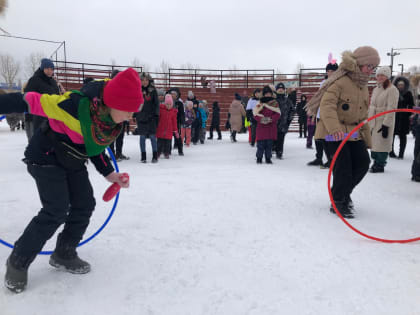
x: 372, y: 67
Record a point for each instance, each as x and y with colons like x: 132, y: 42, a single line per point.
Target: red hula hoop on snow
x: 416, y: 111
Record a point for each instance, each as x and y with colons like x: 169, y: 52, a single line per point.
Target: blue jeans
x: 264, y: 147
x: 143, y: 143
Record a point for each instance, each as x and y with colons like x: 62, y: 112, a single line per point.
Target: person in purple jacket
x: 267, y: 113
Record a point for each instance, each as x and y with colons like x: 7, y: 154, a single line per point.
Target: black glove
x: 384, y: 130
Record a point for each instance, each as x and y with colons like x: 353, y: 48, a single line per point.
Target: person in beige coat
x: 236, y: 112
x: 343, y: 101
x: 384, y: 97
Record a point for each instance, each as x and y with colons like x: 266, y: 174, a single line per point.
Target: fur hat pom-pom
x: 348, y: 61
x: 3, y: 6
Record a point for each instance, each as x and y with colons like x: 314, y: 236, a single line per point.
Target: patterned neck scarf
x: 104, y: 129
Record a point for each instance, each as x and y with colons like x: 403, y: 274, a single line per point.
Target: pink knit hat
x: 169, y: 99
x: 124, y: 91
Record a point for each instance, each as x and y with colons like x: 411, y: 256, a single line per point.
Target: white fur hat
x: 386, y: 71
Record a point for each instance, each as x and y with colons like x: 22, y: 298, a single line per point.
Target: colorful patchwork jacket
x: 71, y: 124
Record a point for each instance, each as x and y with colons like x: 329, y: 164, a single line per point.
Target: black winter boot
x: 16, y: 278
x: 69, y: 261
x: 316, y: 162
x: 392, y: 154
x: 65, y: 258
x: 376, y: 168
x: 350, y: 203
x: 325, y: 165
x: 143, y: 157
x: 155, y: 158
x: 343, y: 208
x: 259, y: 160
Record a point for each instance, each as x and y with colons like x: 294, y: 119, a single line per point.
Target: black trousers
x: 253, y: 132
x: 264, y: 148
x: 33, y: 123
x: 164, y: 146
x: 219, y: 133
x: 178, y: 142
x: 415, y: 170
x: 195, y: 134
x: 280, y: 142
x: 321, y: 147
x: 350, y: 167
x: 118, y: 144
x: 403, y: 144
x: 66, y: 197
x: 303, y: 128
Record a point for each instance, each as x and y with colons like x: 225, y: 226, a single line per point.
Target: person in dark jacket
x: 79, y: 128
x: 252, y: 102
x: 300, y: 109
x: 415, y: 169
x: 320, y: 144
x: 287, y: 111
x: 148, y: 117
x: 402, y: 120
x: 197, y: 123
x: 41, y: 82
x: 179, y: 106
x: 215, y: 122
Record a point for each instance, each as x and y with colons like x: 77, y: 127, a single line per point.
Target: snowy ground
x: 214, y: 233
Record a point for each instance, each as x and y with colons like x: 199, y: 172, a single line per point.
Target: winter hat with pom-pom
x: 386, y: 71
x: 366, y: 55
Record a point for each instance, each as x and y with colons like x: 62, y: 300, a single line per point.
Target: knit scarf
x: 98, y: 129
x: 270, y: 104
x: 348, y: 67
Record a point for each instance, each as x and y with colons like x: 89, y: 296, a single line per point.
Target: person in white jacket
x: 384, y: 98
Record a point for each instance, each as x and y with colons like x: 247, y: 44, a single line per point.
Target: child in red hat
x: 80, y: 126
x: 167, y: 126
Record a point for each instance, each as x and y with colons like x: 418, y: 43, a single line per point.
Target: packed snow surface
x: 214, y: 233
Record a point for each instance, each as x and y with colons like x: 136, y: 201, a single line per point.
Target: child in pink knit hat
x: 167, y: 126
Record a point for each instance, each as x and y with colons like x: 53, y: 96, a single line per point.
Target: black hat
x: 46, y: 63
x: 267, y: 89
x: 238, y: 97
x: 176, y: 90
x: 331, y: 66
x: 87, y: 80
x: 114, y: 73
x: 280, y: 86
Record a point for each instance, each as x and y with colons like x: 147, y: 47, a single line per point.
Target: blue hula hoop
x: 100, y: 229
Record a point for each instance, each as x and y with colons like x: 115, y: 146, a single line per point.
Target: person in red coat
x: 167, y: 126
x: 267, y: 113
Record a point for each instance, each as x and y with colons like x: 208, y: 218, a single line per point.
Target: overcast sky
x: 257, y: 34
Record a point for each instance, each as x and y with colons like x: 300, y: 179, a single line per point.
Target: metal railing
x: 72, y: 74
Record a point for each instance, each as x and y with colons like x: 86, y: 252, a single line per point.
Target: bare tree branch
x: 32, y: 63
x: 9, y: 69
